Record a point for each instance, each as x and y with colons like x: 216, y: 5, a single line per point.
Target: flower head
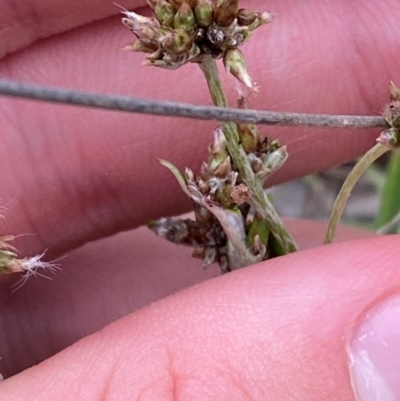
x: 183, y: 31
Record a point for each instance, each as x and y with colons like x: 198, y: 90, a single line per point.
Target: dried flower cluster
x: 222, y: 203
x: 183, y: 31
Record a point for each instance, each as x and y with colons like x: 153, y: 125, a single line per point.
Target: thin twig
x: 136, y: 105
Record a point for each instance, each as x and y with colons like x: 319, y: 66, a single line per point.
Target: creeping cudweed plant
x: 235, y: 222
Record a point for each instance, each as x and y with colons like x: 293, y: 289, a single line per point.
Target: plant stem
x: 340, y: 203
x: 153, y: 107
x: 390, y: 196
x: 259, y: 200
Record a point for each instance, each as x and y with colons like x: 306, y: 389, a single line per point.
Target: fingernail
x: 375, y: 354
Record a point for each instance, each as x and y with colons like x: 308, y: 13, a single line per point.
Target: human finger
x: 289, y: 328
x: 25, y: 22
x: 104, y: 281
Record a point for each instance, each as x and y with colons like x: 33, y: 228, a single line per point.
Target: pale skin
x: 275, y: 331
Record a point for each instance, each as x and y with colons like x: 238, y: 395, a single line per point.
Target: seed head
x: 226, y: 12
x: 249, y: 137
x: 392, y: 110
x: 394, y: 92
x: 164, y: 13
x: 204, y: 12
x: 390, y: 138
x: 184, y: 19
x: 247, y: 17
x: 235, y: 63
x: 176, y: 42
x: 191, y: 29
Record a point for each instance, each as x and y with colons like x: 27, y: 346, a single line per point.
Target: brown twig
x: 136, y: 105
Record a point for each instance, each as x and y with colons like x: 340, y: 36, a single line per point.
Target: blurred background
x: 374, y: 202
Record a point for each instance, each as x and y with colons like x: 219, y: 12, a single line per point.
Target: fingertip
x: 278, y: 331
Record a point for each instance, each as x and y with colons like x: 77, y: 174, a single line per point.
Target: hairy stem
x: 259, y: 200
x: 340, y: 203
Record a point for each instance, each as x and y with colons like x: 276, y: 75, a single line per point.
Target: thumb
x: 285, y: 329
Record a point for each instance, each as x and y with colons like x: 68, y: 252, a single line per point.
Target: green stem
x: 390, y: 196
x: 340, y: 203
x: 259, y: 201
